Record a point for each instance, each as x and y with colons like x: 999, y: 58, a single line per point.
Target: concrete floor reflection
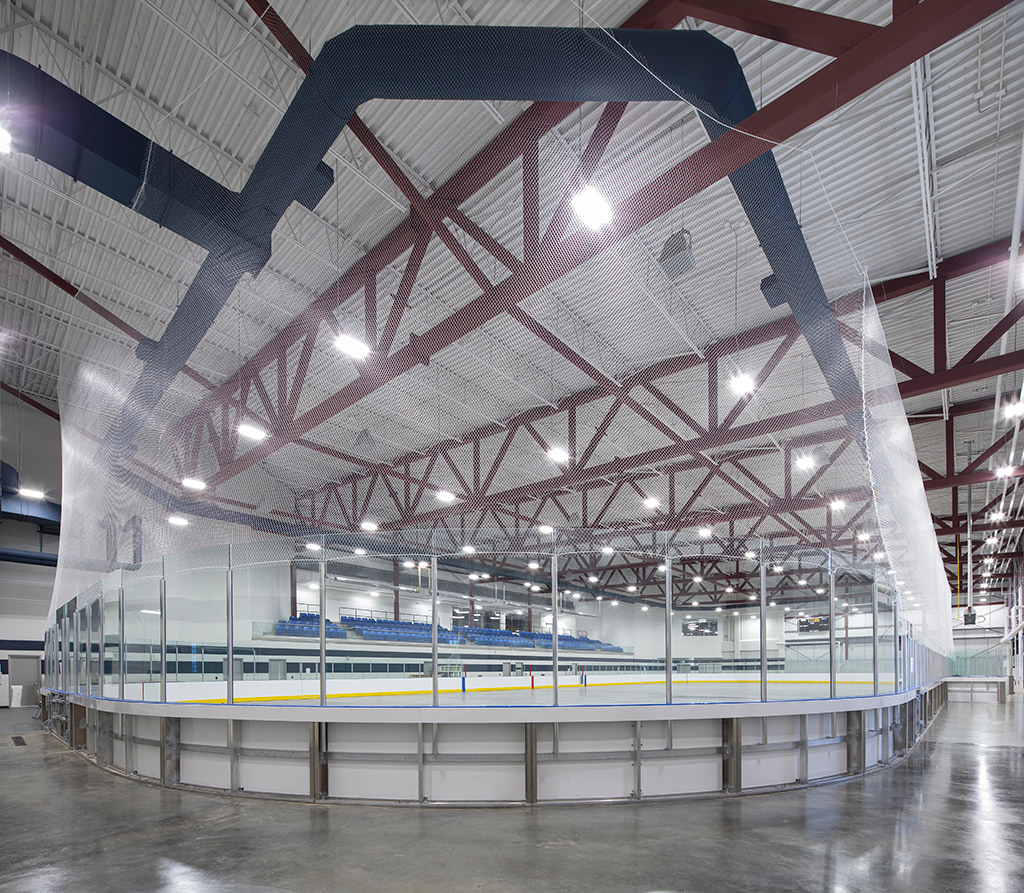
x: 948, y: 819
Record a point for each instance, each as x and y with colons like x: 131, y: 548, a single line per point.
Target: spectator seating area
x: 376, y: 629
x: 308, y: 625
x: 397, y: 630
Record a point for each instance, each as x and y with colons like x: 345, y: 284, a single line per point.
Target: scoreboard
x: 813, y: 624
x: 700, y: 627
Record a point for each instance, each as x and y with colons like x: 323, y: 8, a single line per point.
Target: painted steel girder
x: 913, y: 34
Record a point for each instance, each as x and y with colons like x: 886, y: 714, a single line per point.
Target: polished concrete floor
x: 951, y: 818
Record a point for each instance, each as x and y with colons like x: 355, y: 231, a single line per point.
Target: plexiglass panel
x: 110, y: 587
x: 142, y: 627
x: 196, y: 598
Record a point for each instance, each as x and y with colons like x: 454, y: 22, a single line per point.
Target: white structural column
x: 831, y: 628
x: 668, y: 629
x: 554, y: 628
x: 874, y: 631
x: 764, y: 623
x: 229, y: 608
x: 163, y: 629
x: 323, y: 630
x: 433, y: 627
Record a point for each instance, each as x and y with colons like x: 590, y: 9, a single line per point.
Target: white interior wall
x: 30, y: 442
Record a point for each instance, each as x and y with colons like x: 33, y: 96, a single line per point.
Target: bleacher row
x: 397, y: 630
x: 308, y: 625
x: 523, y: 639
x: 407, y: 631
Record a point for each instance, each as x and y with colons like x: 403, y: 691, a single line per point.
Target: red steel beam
x: 30, y: 401
x: 60, y: 282
x: 958, y: 375
x: 818, y: 31
x: 887, y: 51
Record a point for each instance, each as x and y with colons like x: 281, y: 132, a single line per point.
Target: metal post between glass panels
x: 163, y: 629
x: 764, y: 624
x: 831, y: 628
x: 229, y: 607
x: 896, y: 669
x: 323, y: 631
x: 87, y: 616
x: 668, y: 630
x: 433, y: 628
x: 102, y: 650
x: 874, y: 631
x: 122, y: 651
x: 554, y: 628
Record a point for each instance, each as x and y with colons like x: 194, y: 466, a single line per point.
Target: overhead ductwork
x: 406, y: 62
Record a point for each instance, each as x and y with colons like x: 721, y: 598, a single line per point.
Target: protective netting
x: 584, y: 341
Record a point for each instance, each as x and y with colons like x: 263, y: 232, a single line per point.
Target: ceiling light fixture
x: 591, y: 207
x: 557, y: 454
x: 251, y: 432
x: 546, y: 529
x: 534, y: 565
x: 445, y: 496
x: 837, y: 505
x: 352, y: 346
x: 805, y: 463
x: 742, y: 385
x: 369, y: 526
x: 468, y: 549
x: 607, y: 550
x: 193, y: 484
x: 1004, y: 471
x: 313, y: 547
x: 705, y: 533
x: 592, y: 578
x: 178, y: 521
x: 652, y: 502
x: 30, y: 493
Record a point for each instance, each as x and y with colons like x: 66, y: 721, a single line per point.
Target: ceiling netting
x: 671, y: 381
